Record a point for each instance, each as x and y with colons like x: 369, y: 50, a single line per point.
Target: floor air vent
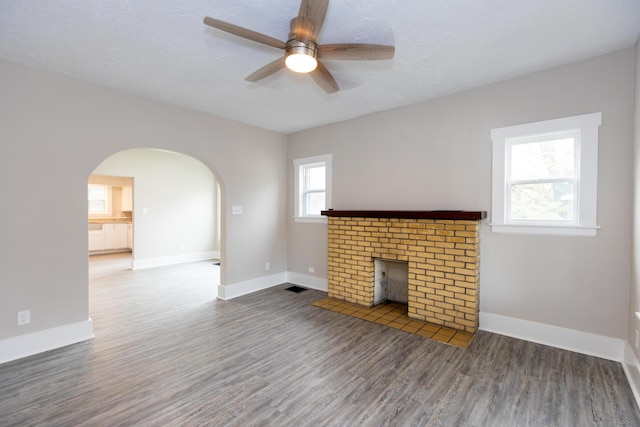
x: 296, y: 289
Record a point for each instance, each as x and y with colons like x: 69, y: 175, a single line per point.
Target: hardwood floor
x: 167, y: 353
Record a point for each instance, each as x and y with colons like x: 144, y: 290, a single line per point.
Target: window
x: 98, y: 199
x: 312, y: 187
x: 545, y: 177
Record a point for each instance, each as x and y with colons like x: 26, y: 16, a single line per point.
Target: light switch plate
x: 236, y: 210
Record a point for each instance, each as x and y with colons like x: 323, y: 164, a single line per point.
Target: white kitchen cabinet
x: 96, y: 240
x: 115, y: 235
x: 130, y: 236
x: 121, y: 235
x: 127, y: 199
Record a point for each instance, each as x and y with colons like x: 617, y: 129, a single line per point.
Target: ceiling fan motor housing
x: 302, y: 37
x: 301, y: 50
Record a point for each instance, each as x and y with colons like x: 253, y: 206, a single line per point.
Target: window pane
x: 314, y: 203
x: 545, y: 201
x: 540, y: 160
x: 97, y: 206
x: 96, y: 192
x: 315, y: 178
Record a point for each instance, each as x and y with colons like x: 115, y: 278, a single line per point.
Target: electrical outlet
x: 267, y: 266
x: 24, y: 317
x: 312, y: 270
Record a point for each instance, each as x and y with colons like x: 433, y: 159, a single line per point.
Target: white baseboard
x: 235, y: 290
x: 139, y: 264
x: 567, y: 339
x: 227, y: 292
x: 37, y: 342
x: 311, y: 282
x: 631, y: 368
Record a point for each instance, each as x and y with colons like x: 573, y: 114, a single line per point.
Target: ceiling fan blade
x: 266, y: 71
x: 315, y: 10
x: 244, y: 33
x: 324, y: 79
x: 355, y: 51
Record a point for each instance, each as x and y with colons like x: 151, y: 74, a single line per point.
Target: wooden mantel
x: 440, y: 214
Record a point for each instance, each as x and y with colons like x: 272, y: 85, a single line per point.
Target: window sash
x: 308, y: 189
x: 542, y: 210
x: 547, y: 207
x: 309, y: 200
x: 308, y: 178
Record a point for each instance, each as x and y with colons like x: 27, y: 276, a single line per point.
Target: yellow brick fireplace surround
x: 442, y: 251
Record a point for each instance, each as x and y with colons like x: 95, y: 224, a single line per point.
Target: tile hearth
x: 394, y: 315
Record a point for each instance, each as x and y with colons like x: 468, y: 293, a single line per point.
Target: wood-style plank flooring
x: 167, y: 353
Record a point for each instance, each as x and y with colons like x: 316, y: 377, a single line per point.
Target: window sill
x: 559, y: 230
x: 317, y: 220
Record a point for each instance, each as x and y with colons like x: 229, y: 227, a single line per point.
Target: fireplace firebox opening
x: 391, y: 281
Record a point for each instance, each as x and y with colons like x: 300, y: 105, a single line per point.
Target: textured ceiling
x: 161, y: 49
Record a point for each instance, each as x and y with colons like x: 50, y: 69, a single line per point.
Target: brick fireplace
x: 442, y: 251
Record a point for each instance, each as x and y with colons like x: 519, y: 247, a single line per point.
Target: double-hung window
x: 545, y: 177
x: 312, y: 187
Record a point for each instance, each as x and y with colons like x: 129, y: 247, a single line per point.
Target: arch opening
x: 174, y: 214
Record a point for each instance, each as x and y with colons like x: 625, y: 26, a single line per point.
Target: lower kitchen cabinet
x: 111, y: 236
x: 96, y: 240
x: 115, y: 236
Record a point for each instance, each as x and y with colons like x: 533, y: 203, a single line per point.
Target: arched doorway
x: 175, y: 211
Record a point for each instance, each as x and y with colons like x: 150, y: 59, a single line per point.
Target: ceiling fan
x: 302, y: 53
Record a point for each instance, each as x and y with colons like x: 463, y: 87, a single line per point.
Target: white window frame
x: 585, y: 127
x: 298, y: 167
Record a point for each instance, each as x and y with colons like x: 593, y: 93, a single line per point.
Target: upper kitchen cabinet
x: 127, y: 199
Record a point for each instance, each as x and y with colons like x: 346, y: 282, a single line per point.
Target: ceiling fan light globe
x: 301, y: 62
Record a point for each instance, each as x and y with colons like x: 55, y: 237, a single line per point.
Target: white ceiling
x: 161, y: 49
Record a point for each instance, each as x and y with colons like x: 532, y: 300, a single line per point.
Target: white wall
x: 437, y: 155
x: 178, y: 194
x: 55, y: 130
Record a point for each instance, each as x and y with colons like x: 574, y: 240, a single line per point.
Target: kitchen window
x: 98, y: 196
x: 312, y: 187
x: 545, y: 177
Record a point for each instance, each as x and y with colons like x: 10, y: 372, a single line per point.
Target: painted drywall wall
x: 437, y: 155
x: 56, y: 130
x: 174, y: 203
x: 634, y: 294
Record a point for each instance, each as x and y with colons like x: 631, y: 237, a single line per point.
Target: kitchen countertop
x: 120, y: 220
